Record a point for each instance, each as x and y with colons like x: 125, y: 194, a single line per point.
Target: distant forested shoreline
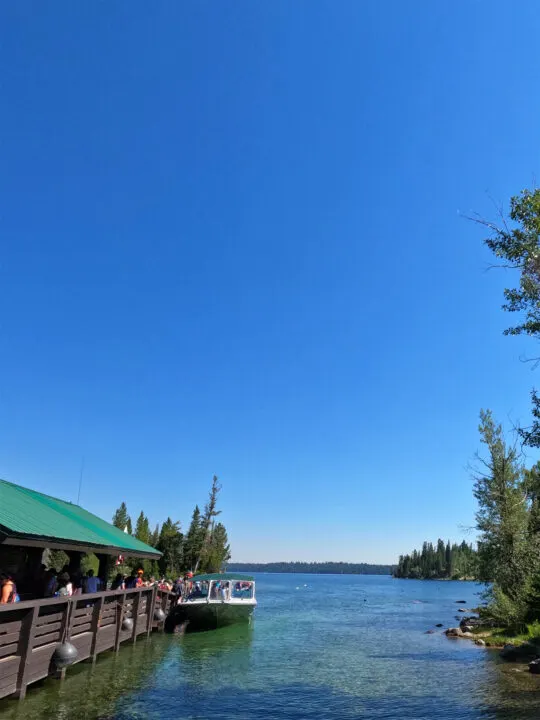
x: 320, y: 568
x: 440, y: 562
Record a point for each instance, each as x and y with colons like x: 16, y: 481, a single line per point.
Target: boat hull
x: 212, y: 615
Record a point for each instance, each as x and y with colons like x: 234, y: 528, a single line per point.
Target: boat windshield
x: 199, y: 591
x: 242, y: 590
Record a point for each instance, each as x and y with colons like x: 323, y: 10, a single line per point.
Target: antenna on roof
x: 80, y: 480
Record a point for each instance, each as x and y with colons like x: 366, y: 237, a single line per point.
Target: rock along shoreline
x: 473, y: 628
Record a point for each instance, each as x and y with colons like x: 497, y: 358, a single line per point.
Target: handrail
x: 43, y: 602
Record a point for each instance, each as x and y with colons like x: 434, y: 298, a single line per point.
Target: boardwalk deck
x: 30, y: 631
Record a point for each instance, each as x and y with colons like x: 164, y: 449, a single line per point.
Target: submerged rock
x: 458, y: 632
x: 461, y: 602
x: 479, y: 641
x: 519, y: 653
x: 534, y: 667
x: 439, y: 625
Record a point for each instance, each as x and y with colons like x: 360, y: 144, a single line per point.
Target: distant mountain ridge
x: 317, y: 568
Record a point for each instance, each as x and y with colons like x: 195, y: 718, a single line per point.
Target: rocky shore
x: 476, y: 629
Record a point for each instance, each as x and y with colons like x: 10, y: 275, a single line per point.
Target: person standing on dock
x: 8, y: 592
x: 92, y: 584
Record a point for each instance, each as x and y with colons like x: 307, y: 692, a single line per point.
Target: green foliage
x: 517, y: 244
x: 207, y: 520
x: 194, y: 540
x: 438, y: 563
x: 121, y: 518
x: 217, y: 552
x: 504, y: 550
x: 89, y: 562
x: 142, y: 529
x: 170, y: 544
x: 57, y: 559
x: 506, y: 611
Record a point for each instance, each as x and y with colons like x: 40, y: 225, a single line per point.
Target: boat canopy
x: 222, y: 576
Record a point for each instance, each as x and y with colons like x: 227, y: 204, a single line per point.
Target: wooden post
x: 152, y: 606
x: 135, y: 614
x: 26, y: 640
x: 119, y: 619
x: 65, y: 633
x: 96, y: 622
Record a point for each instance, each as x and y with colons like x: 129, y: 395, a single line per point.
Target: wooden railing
x: 31, y: 631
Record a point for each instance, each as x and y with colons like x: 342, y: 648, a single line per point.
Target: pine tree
x: 504, y: 550
x: 207, y: 521
x: 154, y: 537
x: 170, y: 544
x: 194, y: 540
x: 448, y: 559
x: 217, y: 552
x: 121, y: 518
x: 142, y: 529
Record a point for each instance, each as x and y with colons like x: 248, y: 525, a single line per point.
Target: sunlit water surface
x: 321, y: 647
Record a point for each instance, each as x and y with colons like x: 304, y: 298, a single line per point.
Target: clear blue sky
x: 231, y: 243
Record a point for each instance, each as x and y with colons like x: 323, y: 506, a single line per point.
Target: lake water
x: 321, y: 647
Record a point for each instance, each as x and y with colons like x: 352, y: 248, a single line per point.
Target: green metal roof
x: 29, y: 514
x: 222, y: 576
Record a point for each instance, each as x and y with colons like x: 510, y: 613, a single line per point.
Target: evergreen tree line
x: 320, y: 568
x: 204, y: 548
x: 439, y: 562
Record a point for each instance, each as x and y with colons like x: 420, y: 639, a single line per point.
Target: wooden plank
x: 81, y: 629
x: 9, y: 669
x: 82, y: 619
x: 109, y: 610
x: 9, y: 690
x: 83, y: 612
x: 26, y: 640
x: 46, y: 629
x: 9, y: 627
x: 50, y: 618
x: 83, y: 643
x: 9, y: 650
x: 105, y: 641
x: 9, y: 639
x: 53, y: 637
x: 8, y: 664
x: 8, y: 680
x: 96, y: 622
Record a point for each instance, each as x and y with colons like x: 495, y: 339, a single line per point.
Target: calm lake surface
x: 321, y: 647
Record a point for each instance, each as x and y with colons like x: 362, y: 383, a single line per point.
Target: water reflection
x: 91, y: 692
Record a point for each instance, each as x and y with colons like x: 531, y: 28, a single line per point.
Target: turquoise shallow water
x: 324, y: 647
